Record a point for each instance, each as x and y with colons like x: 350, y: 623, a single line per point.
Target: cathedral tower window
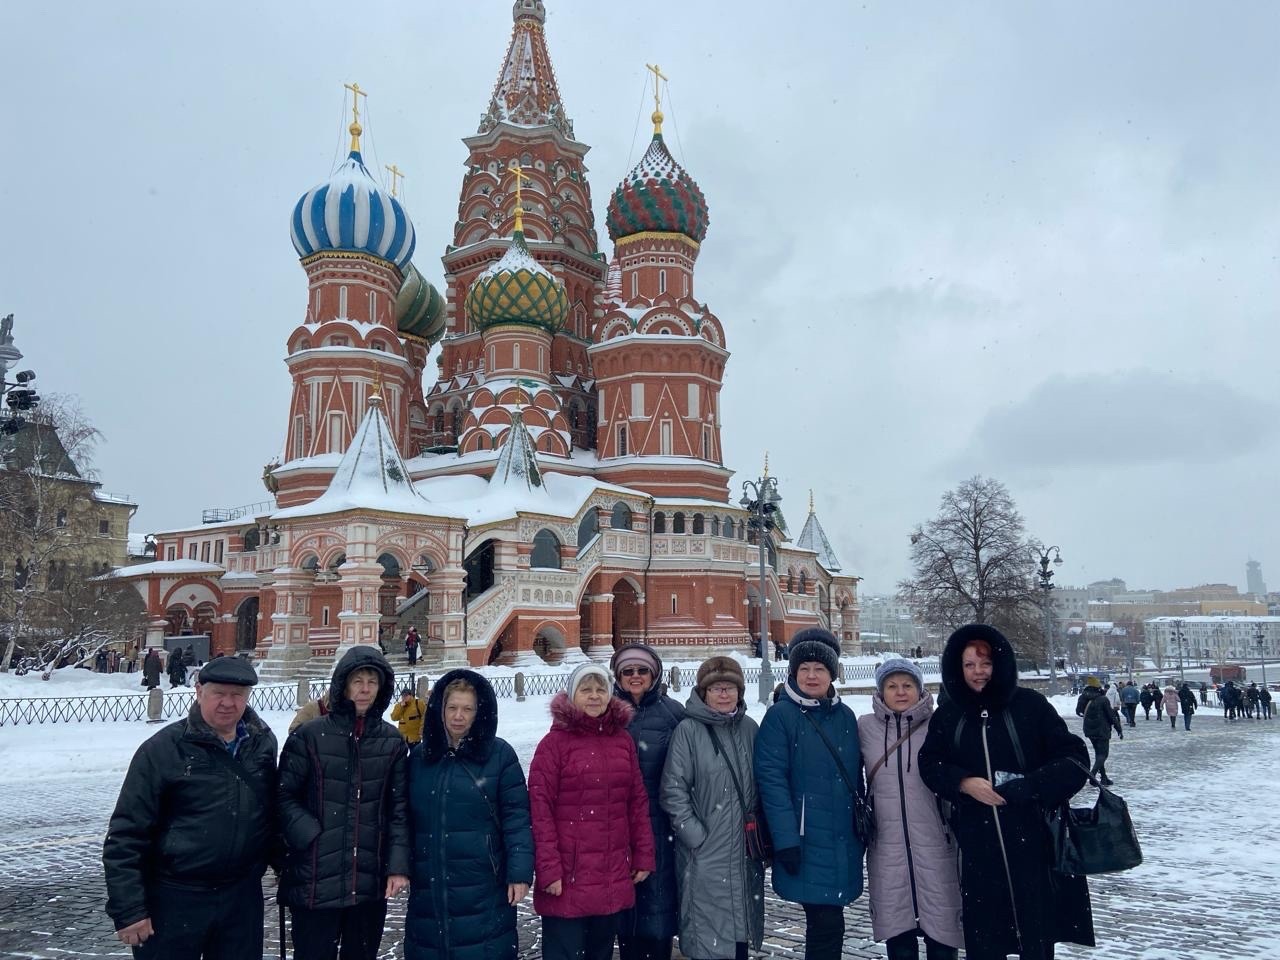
x: 335, y: 433
x: 588, y: 528
x: 662, y: 281
x: 659, y: 522
x: 637, y: 400
x: 666, y: 438
x: 677, y: 522
x: 621, y: 516
x: 695, y: 396
x: 635, y: 285
x: 622, y: 440
x: 804, y: 583
x: 342, y: 302
x: 298, y: 434
x: 699, y: 523
x: 217, y: 552
x: 715, y: 526
x: 546, y: 550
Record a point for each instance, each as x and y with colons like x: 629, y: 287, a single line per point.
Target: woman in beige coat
x: 912, y: 865
x: 1171, y: 706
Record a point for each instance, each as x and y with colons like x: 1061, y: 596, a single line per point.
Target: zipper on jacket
x: 355, y: 836
x: 442, y: 779
x: 906, y: 830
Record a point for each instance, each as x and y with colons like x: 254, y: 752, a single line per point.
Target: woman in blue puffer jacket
x: 472, y: 847
x: 808, y: 805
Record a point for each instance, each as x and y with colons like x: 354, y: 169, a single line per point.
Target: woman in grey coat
x: 912, y: 866
x: 721, y: 886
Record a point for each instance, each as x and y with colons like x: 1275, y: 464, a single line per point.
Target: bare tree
x: 972, y: 564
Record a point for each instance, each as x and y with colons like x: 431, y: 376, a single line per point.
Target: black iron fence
x: 284, y: 696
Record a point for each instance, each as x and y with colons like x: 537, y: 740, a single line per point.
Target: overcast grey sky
x: 1037, y: 241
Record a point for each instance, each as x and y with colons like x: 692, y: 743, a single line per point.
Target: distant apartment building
x: 1213, y: 638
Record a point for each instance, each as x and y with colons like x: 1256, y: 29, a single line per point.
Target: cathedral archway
x: 626, y: 614
x: 247, y: 624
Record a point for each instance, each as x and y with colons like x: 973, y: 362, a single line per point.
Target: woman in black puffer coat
x: 1013, y: 902
x: 344, y: 812
x: 646, y: 931
x: 469, y: 823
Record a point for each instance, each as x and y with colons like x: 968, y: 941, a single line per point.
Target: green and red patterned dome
x: 658, y: 196
x: 517, y: 289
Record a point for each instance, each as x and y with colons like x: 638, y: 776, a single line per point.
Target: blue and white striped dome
x: 350, y: 211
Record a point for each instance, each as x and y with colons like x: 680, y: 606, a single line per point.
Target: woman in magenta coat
x: 591, y: 834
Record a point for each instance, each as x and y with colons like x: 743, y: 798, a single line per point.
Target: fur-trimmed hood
x: 565, y: 716
x: 478, y: 742
x: 1004, y: 668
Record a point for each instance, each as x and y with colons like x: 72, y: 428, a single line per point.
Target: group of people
x: 642, y: 819
x: 1253, y: 701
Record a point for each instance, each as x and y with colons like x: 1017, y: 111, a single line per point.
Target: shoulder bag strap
x: 1017, y: 744
x: 855, y: 788
x: 480, y: 790
x: 737, y: 786
x: 880, y: 763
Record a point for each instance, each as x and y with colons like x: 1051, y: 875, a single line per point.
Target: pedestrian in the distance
x: 1187, y: 700
x: 345, y: 815
x: 807, y: 764
x: 1171, y: 706
x: 913, y: 867
x: 709, y: 790
x: 194, y: 828
x: 1001, y: 755
x: 469, y: 825
x: 177, y: 669
x: 411, y: 644
x: 646, y: 930
x: 408, y: 714
x: 1251, y: 700
x: 1264, y: 702
x: 1157, y: 700
x: 151, y: 669
x: 592, y: 838
x: 1129, y: 698
x: 1145, y: 699
x: 1099, y: 721
x: 1204, y: 694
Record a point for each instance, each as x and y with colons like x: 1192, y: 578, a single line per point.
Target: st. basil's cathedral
x: 559, y: 490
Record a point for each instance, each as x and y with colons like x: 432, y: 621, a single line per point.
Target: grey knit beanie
x: 898, y: 665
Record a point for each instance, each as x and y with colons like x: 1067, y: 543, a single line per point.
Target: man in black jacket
x: 1099, y: 720
x: 190, y: 837
x: 344, y: 812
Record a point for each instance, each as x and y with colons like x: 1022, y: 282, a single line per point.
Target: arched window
x: 659, y: 522
x: 620, y: 519
x: 715, y: 525
x: 440, y: 420
x: 804, y: 583
x: 588, y: 528
x: 791, y: 581
x: 546, y: 550
x: 771, y: 554
x: 311, y: 563
x: 728, y: 528
x: 699, y: 523
x: 457, y: 423
x: 252, y: 539
x: 677, y: 522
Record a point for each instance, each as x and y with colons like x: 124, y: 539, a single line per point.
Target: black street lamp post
x: 1261, y: 637
x: 1044, y: 557
x: 1179, y: 639
x: 760, y: 499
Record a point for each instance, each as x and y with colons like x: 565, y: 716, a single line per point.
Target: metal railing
x: 107, y: 708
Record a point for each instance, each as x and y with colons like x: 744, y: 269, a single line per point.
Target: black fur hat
x: 814, y: 644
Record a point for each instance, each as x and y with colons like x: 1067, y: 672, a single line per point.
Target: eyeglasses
x: 635, y: 671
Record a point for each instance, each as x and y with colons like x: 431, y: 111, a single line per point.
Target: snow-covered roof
x: 166, y: 568
x: 814, y: 538
x: 371, y: 476
x: 517, y: 466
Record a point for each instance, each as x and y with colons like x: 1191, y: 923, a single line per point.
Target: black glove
x: 788, y: 859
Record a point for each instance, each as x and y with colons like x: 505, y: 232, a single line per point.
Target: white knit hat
x: 589, y: 670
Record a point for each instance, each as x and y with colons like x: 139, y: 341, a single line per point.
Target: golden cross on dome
x: 355, y: 128
x: 519, y: 174
x: 396, y: 176
x: 657, y: 96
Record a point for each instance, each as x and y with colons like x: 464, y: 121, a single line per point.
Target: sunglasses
x: 635, y: 671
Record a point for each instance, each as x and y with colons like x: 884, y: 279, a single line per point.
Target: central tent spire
x: 526, y: 94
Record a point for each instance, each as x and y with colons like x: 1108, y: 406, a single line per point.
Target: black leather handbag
x: 1097, y: 839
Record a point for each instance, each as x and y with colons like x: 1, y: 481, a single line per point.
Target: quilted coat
x: 806, y: 802
x: 469, y: 828
x: 656, y: 913
x: 590, y: 812
x: 343, y: 798
x: 721, y: 887
x: 1039, y: 907
x: 913, y: 868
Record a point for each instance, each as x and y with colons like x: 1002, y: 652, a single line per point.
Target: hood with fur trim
x: 1004, y: 668
x: 484, y: 729
x: 565, y: 716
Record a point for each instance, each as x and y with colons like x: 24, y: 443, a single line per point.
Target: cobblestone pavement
x: 1210, y: 886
